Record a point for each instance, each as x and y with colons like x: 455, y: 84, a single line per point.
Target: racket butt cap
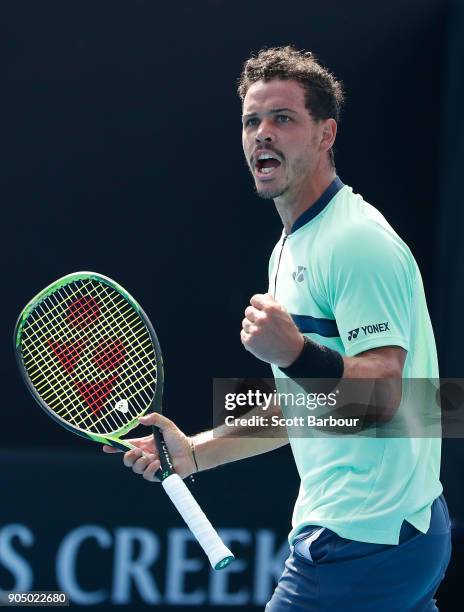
x: 224, y: 562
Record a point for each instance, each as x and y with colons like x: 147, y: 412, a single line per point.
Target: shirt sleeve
x: 371, y: 277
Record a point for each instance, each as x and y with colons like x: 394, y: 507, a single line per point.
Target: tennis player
x: 371, y: 529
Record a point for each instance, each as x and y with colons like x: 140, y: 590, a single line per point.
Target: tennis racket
x: 91, y: 359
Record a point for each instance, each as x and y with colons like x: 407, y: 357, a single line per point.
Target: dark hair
x: 323, y: 93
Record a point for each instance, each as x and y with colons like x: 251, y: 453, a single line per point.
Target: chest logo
x: 299, y: 273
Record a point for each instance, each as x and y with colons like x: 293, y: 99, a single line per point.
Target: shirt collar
x: 318, y: 205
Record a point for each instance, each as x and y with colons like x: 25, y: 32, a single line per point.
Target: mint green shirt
x: 352, y: 284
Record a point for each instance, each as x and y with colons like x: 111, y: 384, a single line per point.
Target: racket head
x: 90, y: 357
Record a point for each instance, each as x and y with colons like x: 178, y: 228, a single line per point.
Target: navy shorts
x: 331, y: 573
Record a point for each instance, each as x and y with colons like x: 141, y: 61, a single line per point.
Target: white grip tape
x: 196, y: 520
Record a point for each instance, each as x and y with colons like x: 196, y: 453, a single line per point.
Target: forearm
x: 377, y: 394
x: 384, y: 367
x: 373, y: 364
x: 221, y: 445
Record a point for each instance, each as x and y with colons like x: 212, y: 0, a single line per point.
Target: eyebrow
x: 273, y: 111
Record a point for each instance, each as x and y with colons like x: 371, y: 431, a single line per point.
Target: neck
x: 292, y: 204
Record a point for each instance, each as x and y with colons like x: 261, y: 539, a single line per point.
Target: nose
x: 264, y: 132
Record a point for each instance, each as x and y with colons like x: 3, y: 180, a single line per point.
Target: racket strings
x: 70, y: 383
x: 89, y: 389
x: 55, y: 326
x: 72, y: 365
x: 39, y: 369
x: 135, y: 375
x: 97, y: 395
x: 124, y: 333
x: 99, y: 336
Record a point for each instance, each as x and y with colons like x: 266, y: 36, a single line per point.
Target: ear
x: 328, y: 134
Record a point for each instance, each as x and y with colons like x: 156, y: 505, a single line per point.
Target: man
x: 370, y: 526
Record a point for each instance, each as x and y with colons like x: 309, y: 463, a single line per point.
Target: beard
x: 266, y: 193
x: 271, y: 195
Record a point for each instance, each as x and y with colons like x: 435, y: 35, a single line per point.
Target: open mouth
x: 266, y: 164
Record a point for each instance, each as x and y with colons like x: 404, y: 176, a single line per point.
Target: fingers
x: 247, y: 339
x: 253, y: 319
x: 263, y: 308
x: 249, y: 327
x: 252, y: 313
x: 146, y: 464
x: 244, y: 336
x: 262, y: 300
x: 110, y: 449
x: 132, y: 456
x: 145, y: 443
x: 150, y: 471
x: 158, y: 420
x: 144, y: 458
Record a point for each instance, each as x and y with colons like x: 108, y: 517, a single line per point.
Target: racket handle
x: 218, y: 554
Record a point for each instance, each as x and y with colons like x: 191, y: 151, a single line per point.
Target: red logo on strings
x: 95, y: 393
x: 68, y: 353
x: 108, y: 355
x: 83, y: 312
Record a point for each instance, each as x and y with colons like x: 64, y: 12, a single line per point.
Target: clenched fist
x: 268, y: 331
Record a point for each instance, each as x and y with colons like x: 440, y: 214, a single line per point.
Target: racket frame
x: 156, y: 404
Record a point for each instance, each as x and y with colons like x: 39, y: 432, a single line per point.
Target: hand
x: 144, y: 459
x: 268, y: 331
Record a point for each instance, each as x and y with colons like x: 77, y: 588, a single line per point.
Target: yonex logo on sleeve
x: 353, y: 334
x: 376, y: 328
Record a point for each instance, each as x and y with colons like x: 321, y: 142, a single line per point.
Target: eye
x: 251, y: 122
x: 283, y: 118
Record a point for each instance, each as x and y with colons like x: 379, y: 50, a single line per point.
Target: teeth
x: 266, y: 170
x: 265, y: 156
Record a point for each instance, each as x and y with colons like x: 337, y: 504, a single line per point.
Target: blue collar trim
x: 318, y: 205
